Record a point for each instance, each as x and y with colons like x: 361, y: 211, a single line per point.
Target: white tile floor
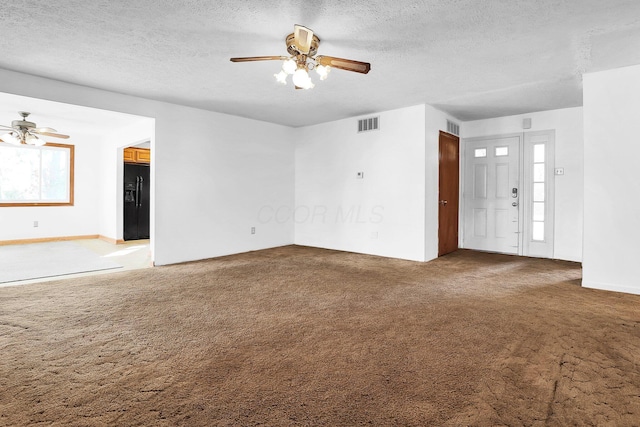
x: 132, y: 255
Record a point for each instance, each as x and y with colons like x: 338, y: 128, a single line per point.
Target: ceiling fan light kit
x: 10, y: 138
x: 25, y: 132
x: 302, y: 46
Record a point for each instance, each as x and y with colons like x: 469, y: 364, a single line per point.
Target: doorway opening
x: 97, y: 136
x: 137, y: 192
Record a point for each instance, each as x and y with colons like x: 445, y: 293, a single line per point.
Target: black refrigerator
x: 137, y: 203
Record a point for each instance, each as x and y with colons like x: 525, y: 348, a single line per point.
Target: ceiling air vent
x: 453, y: 128
x: 371, y: 123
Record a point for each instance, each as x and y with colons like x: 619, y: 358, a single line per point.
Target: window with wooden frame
x: 36, y: 176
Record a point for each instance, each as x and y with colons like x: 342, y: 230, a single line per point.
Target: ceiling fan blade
x: 47, y: 132
x: 302, y: 38
x: 344, y: 64
x: 6, y: 127
x: 259, y: 58
x: 43, y: 129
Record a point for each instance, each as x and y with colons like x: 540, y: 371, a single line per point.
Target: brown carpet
x: 302, y: 336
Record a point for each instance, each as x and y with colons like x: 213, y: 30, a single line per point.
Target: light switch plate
x: 360, y: 175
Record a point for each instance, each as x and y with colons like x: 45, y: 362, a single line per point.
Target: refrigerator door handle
x: 137, y: 191
x: 140, y: 190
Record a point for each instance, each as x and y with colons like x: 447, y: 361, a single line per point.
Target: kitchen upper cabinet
x: 137, y: 155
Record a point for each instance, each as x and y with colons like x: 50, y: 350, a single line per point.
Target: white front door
x: 492, y: 194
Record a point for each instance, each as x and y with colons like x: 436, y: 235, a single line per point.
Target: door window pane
x: 538, y: 211
x: 502, y: 151
x: 538, y: 192
x: 480, y: 152
x: 538, y: 231
x: 538, y: 153
x: 538, y: 172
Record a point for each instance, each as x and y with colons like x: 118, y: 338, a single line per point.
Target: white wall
x: 213, y: 172
x: 216, y: 176
x: 381, y: 214
x: 612, y: 187
x: 568, y: 126
x: 212, y: 178
x: 81, y: 219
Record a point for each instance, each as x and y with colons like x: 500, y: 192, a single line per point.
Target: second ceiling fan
x: 302, y: 46
x: 23, y: 131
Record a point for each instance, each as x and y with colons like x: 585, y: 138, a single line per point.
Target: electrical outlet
x: 35, y: 223
x: 253, y: 230
x: 559, y: 171
x: 360, y: 175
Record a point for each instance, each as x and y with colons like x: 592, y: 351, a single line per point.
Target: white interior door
x: 492, y: 194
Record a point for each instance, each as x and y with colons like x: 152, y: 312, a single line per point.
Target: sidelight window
x: 539, y: 184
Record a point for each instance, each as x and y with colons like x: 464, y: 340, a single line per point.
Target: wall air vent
x: 453, y: 128
x: 370, y: 123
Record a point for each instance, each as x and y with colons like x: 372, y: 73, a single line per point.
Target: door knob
x: 443, y: 202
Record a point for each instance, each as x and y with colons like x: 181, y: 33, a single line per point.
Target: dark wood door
x: 449, y: 173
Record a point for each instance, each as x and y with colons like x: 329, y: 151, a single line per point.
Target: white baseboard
x: 611, y: 287
x: 47, y: 239
x: 60, y: 239
x: 110, y: 240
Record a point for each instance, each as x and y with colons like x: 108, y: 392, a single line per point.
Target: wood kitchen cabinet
x: 137, y: 155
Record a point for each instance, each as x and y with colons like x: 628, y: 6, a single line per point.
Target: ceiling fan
x: 302, y: 46
x: 25, y: 132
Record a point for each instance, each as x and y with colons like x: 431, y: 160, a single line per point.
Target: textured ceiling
x: 474, y: 59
